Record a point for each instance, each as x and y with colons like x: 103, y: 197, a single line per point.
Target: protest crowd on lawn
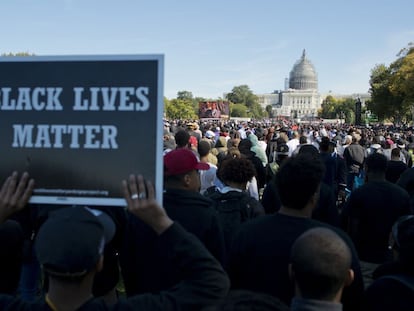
x: 259, y: 215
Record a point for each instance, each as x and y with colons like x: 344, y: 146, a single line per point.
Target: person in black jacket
x: 70, y: 246
x: 325, y: 209
x: 259, y: 256
x: 233, y: 204
x: 140, y: 262
x: 14, y: 195
x: 394, y: 281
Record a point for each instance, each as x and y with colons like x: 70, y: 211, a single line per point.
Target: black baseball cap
x: 72, y: 239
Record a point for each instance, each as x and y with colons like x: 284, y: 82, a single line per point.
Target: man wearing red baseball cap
x: 183, y: 204
x: 182, y: 161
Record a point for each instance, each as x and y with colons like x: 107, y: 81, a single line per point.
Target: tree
x: 392, y: 87
x: 402, y: 80
x: 256, y: 111
x: 179, y: 109
x: 384, y: 104
x: 333, y: 108
x: 328, y: 108
x: 185, y: 95
x: 238, y: 110
x: 188, y: 97
x: 243, y: 95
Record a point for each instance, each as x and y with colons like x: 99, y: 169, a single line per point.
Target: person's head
x: 181, y: 168
x: 168, y: 140
x: 221, y: 142
x: 282, y: 152
x: 395, y: 153
x: 283, y: 138
x: 400, y: 144
x: 375, y: 166
x: 203, y: 148
x: 310, y: 150
x: 320, y: 265
x: 245, y: 145
x: 402, y: 241
x: 298, y: 180
x: 70, y: 244
x: 210, y: 134
x: 324, y: 145
x: 303, y: 140
x: 246, y: 300
x: 236, y: 172
x: 182, y: 138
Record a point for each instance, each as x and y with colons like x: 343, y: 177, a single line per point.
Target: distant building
x: 300, y: 99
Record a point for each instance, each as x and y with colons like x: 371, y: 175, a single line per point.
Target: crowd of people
x: 255, y: 216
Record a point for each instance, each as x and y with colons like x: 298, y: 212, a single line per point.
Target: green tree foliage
x: 238, y: 110
x: 402, y: 81
x: 256, y: 111
x: 328, y: 108
x: 383, y: 102
x: 179, y: 109
x: 392, y: 87
x: 243, y: 95
x: 333, y: 108
x: 185, y: 95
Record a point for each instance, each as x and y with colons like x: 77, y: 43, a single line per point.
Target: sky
x: 211, y: 46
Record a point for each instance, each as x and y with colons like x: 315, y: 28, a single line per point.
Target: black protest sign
x: 79, y: 125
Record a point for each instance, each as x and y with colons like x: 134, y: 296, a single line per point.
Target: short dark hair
x: 203, y: 148
x: 324, y: 144
x: 376, y: 163
x: 181, y: 138
x: 395, y: 152
x: 303, y: 139
x: 320, y: 261
x: 299, y: 175
x: 245, y: 145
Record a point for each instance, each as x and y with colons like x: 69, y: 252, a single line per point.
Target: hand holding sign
x: 14, y: 195
x: 140, y: 197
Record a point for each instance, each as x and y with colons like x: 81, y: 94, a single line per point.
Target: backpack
x: 233, y: 208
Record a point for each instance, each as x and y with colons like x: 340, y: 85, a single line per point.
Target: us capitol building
x: 301, y: 98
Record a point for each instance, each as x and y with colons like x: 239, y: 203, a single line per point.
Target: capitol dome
x: 303, y: 75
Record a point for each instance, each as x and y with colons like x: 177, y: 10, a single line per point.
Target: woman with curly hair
x: 233, y: 202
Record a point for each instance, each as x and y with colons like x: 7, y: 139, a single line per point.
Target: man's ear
x: 349, y: 277
x: 187, y: 180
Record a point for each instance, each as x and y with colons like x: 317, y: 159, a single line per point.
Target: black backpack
x: 233, y: 208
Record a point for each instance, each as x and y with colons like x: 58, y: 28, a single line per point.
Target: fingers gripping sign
x: 140, y: 197
x: 14, y: 195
